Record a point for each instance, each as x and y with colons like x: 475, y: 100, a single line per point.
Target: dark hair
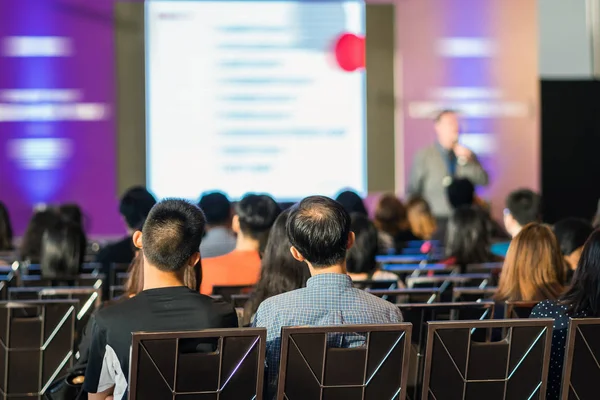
x: 318, y: 227
x: 135, y: 205
x: 584, y: 293
x: 31, y: 245
x: 524, y: 205
x: 351, y: 202
x: 6, y: 233
x: 71, y: 213
x: 390, y: 215
x: 443, y: 112
x: 62, y: 251
x: 361, y: 257
x: 172, y: 234
x: 460, y: 192
x: 572, y: 234
x: 467, y: 237
x: 216, y: 207
x: 257, y: 213
x: 280, y: 272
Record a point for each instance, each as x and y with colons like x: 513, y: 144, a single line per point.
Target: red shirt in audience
x: 235, y: 268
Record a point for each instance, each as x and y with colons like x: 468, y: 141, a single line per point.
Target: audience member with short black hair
x: 280, y: 272
x: 254, y: 216
x: 581, y: 300
x: 319, y: 231
x: 392, y: 222
x: 460, y: 192
x: 135, y: 205
x: 6, y: 233
x: 31, y: 244
x: 170, y: 242
x: 361, y: 257
x: 522, y: 207
x: 219, y: 238
x: 352, y: 202
x: 62, y: 253
x: 572, y: 233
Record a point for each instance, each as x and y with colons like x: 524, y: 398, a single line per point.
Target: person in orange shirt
x: 254, y: 216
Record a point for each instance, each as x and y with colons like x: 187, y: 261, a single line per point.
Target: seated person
x: 319, y: 231
x: 581, y: 300
x: 523, y: 207
x: 572, y: 234
x: 422, y: 222
x: 280, y: 272
x: 254, y: 216
x: 219, y: 238
x: 31, y: 243
x: 392, y: 222
x: 62, y: 253
x: 352, y: 202
x: 169, y: 242
x: 6, y: 232
x: 360, y: 259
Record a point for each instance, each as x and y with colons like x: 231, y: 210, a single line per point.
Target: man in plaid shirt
x: 319, y: 230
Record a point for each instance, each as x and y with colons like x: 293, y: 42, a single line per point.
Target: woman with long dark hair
x: 581, y: 300
x: 6, y: 234
x: 280, y: 272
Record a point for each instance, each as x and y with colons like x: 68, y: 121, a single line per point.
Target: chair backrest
x: 239, y: 300
x: 228, y: 291
x: 460, y: 294
x: 519, y: 309
x: 36, y: 342
x: 409, y: 259
x: 514, y: 368
x: 375, y: 284
x: 116, y: 291
x: 491, y: 267
x: 417, y: 269
x: 121, y: 278
x: 87, y: 280
x: 225, y: 364
x: 477, y: 280
x: 420, y: 295
x: 581, y: 370
x: 311, y: 370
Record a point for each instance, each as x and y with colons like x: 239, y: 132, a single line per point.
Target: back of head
x: 172, y: 234
x: 524, y: 205
x: 390, y: 214
x: 351, y: 202
x: 6, y: 233
x: 135, y: 205
x: 584, y: 293
x: 422, y: 222
x: 572, y: 234
x: 62, y: 251
x: 318, y: 227
x: 467, y: 236
x: 216, y: 207
x: 361, y: 257
x: 256, y: 214
x: 32, y: 240
x: 71, y: 213
x: 280, y: 271
x: 534, y: 268
x: 460, y: 192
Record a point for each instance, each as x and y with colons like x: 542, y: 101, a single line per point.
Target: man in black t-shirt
x: 169, y: 241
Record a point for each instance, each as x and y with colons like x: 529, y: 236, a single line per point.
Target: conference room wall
x: 131, y: 124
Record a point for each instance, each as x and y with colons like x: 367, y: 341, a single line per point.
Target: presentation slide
x: 255, y: 96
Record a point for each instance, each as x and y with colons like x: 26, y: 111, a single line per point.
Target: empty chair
x: 311, y: 370
x: 410, y: 258
x: 227, y: 291
x: 36, y: 342
x: 461, y: 294
x: 375, y: 284
x: 86, y: 280
x: 581, y: 370
x: 420, y: 314
x: 519, y: 309
x: 420, y: 295
x: 458, y: 367
x: 403, y: 270
x: 225, y: 364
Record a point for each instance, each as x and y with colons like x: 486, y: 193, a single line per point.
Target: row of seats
x: 458, y: 362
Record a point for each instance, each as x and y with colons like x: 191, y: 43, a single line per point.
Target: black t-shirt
x: 164, y: 309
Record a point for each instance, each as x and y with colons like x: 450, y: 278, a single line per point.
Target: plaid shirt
x: 327, y: 299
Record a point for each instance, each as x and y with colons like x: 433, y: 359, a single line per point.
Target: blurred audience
x: 352, y: 202
x: 360, y: 259
x: 468, y: 238
x: 135, y: 205
x: 534, y: 269
x: 62, y: 253
x: 280, y: 272
x: 422, y: 222
x: 581, y: 300
x: 392, y: 222
x: 254, y: 216
x: 170, y: 242
x: 6, y: 233
x: 572, y: 233
x: 461, y: 192
x: 219, y: 238
x: 31, y: 244
x: 319, y: 231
